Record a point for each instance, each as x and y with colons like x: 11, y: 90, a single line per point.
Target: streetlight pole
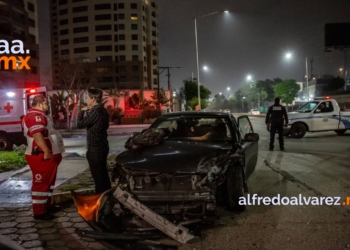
x: 198, y: 82
x: 307, y: 80
x: 195, y: 31
x: 242, y: 103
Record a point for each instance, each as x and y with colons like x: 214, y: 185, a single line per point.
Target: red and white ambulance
x: 14, y: 104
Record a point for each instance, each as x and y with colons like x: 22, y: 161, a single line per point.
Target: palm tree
x: 114, y: 94
x: 163, y: 100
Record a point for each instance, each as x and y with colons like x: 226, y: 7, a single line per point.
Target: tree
x: 191, y: 91
x: 268, y: 87
x: 182, y: 97
x: 217, y: 102
x: 163, y: 99
x: 74, y: 80
x: 114, y: 94
x: 194, y: 102
x: 287, y: 91
x: 58, y: 103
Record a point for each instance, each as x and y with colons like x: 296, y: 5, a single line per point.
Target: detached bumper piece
x: 177, y: 232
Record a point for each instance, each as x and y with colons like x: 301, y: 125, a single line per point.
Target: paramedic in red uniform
x: 43, y: 155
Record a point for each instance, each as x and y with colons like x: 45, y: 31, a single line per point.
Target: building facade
x: 113, y: 42
x: 19, y: 21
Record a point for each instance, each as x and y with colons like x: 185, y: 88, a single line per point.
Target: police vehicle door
x: 324, y: 117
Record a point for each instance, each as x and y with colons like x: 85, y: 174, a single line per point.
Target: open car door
x: 250, y: 147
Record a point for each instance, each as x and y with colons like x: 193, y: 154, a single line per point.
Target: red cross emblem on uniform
x: 8, y: 107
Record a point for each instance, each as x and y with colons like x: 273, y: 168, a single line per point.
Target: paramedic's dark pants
x: 276, y: 127
x: 97, y: 159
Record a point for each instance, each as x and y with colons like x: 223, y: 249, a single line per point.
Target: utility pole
x: 345, y: 70
x: 311, y: 66
x: 169, y: 85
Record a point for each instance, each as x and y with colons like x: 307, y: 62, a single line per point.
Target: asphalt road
x: 317, y: 165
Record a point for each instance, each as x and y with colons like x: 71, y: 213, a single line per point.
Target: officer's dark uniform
x: 275, y: 117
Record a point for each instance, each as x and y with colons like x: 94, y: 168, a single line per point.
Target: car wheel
x: 298, y: 130
x: 235, y: 187
x: 5, y: 142
x: 340, y: 131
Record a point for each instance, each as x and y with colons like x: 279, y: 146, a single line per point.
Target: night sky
x: 252, y: 39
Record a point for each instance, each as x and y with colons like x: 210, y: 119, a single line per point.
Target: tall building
x: 116, y: 41
x: 19, y: 21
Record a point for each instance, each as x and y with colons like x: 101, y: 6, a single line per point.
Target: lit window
x: 134, y: 17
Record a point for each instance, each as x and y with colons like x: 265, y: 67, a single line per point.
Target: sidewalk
x: 17, y: 223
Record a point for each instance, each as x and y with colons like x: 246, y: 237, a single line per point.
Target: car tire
x: 5, y: 142
x: 298, y: 130
x: 340, y: 131
x: 235, y: 187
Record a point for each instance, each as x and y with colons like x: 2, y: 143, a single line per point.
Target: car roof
x: 196, y: 114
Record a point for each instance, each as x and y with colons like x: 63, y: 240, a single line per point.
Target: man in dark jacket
x: 95, y: 118
x: 274, y: 122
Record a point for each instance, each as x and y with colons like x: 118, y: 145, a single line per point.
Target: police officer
x: 274, y: 122
x: 43, y: 155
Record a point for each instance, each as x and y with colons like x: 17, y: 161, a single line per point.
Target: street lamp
x: 195, y: 32
x: 242, y: 103
x: 205, y: 68
x: 289, y: 55
x: 228, y: 88
x: 249, y: 77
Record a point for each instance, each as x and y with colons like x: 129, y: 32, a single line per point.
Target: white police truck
x: 318, y: 116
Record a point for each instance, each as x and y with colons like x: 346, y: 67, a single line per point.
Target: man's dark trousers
x: 97, y: 159
x: 276, y: 127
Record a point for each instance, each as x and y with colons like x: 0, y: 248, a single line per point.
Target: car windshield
x: 308, y: 107
x: 196, y: 128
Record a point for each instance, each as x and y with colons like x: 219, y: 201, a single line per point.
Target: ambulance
x: 14, y: 104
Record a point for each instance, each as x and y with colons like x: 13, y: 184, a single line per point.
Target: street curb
x: 112, y: 130
x: 241, y: 114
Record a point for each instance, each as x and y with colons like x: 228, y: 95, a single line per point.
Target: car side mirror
x: 251, y: 137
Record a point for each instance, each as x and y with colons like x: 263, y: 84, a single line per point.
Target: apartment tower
x: 19, y: 21
x: 116, y: 41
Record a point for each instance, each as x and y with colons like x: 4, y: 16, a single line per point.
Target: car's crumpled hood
x: 177, y: 156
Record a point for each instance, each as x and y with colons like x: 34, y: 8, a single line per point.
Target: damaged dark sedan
x: 177, y: 171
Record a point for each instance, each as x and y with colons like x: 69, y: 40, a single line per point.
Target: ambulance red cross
x: 14, y: 104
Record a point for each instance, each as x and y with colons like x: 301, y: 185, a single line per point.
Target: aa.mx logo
x: 11, y: 62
